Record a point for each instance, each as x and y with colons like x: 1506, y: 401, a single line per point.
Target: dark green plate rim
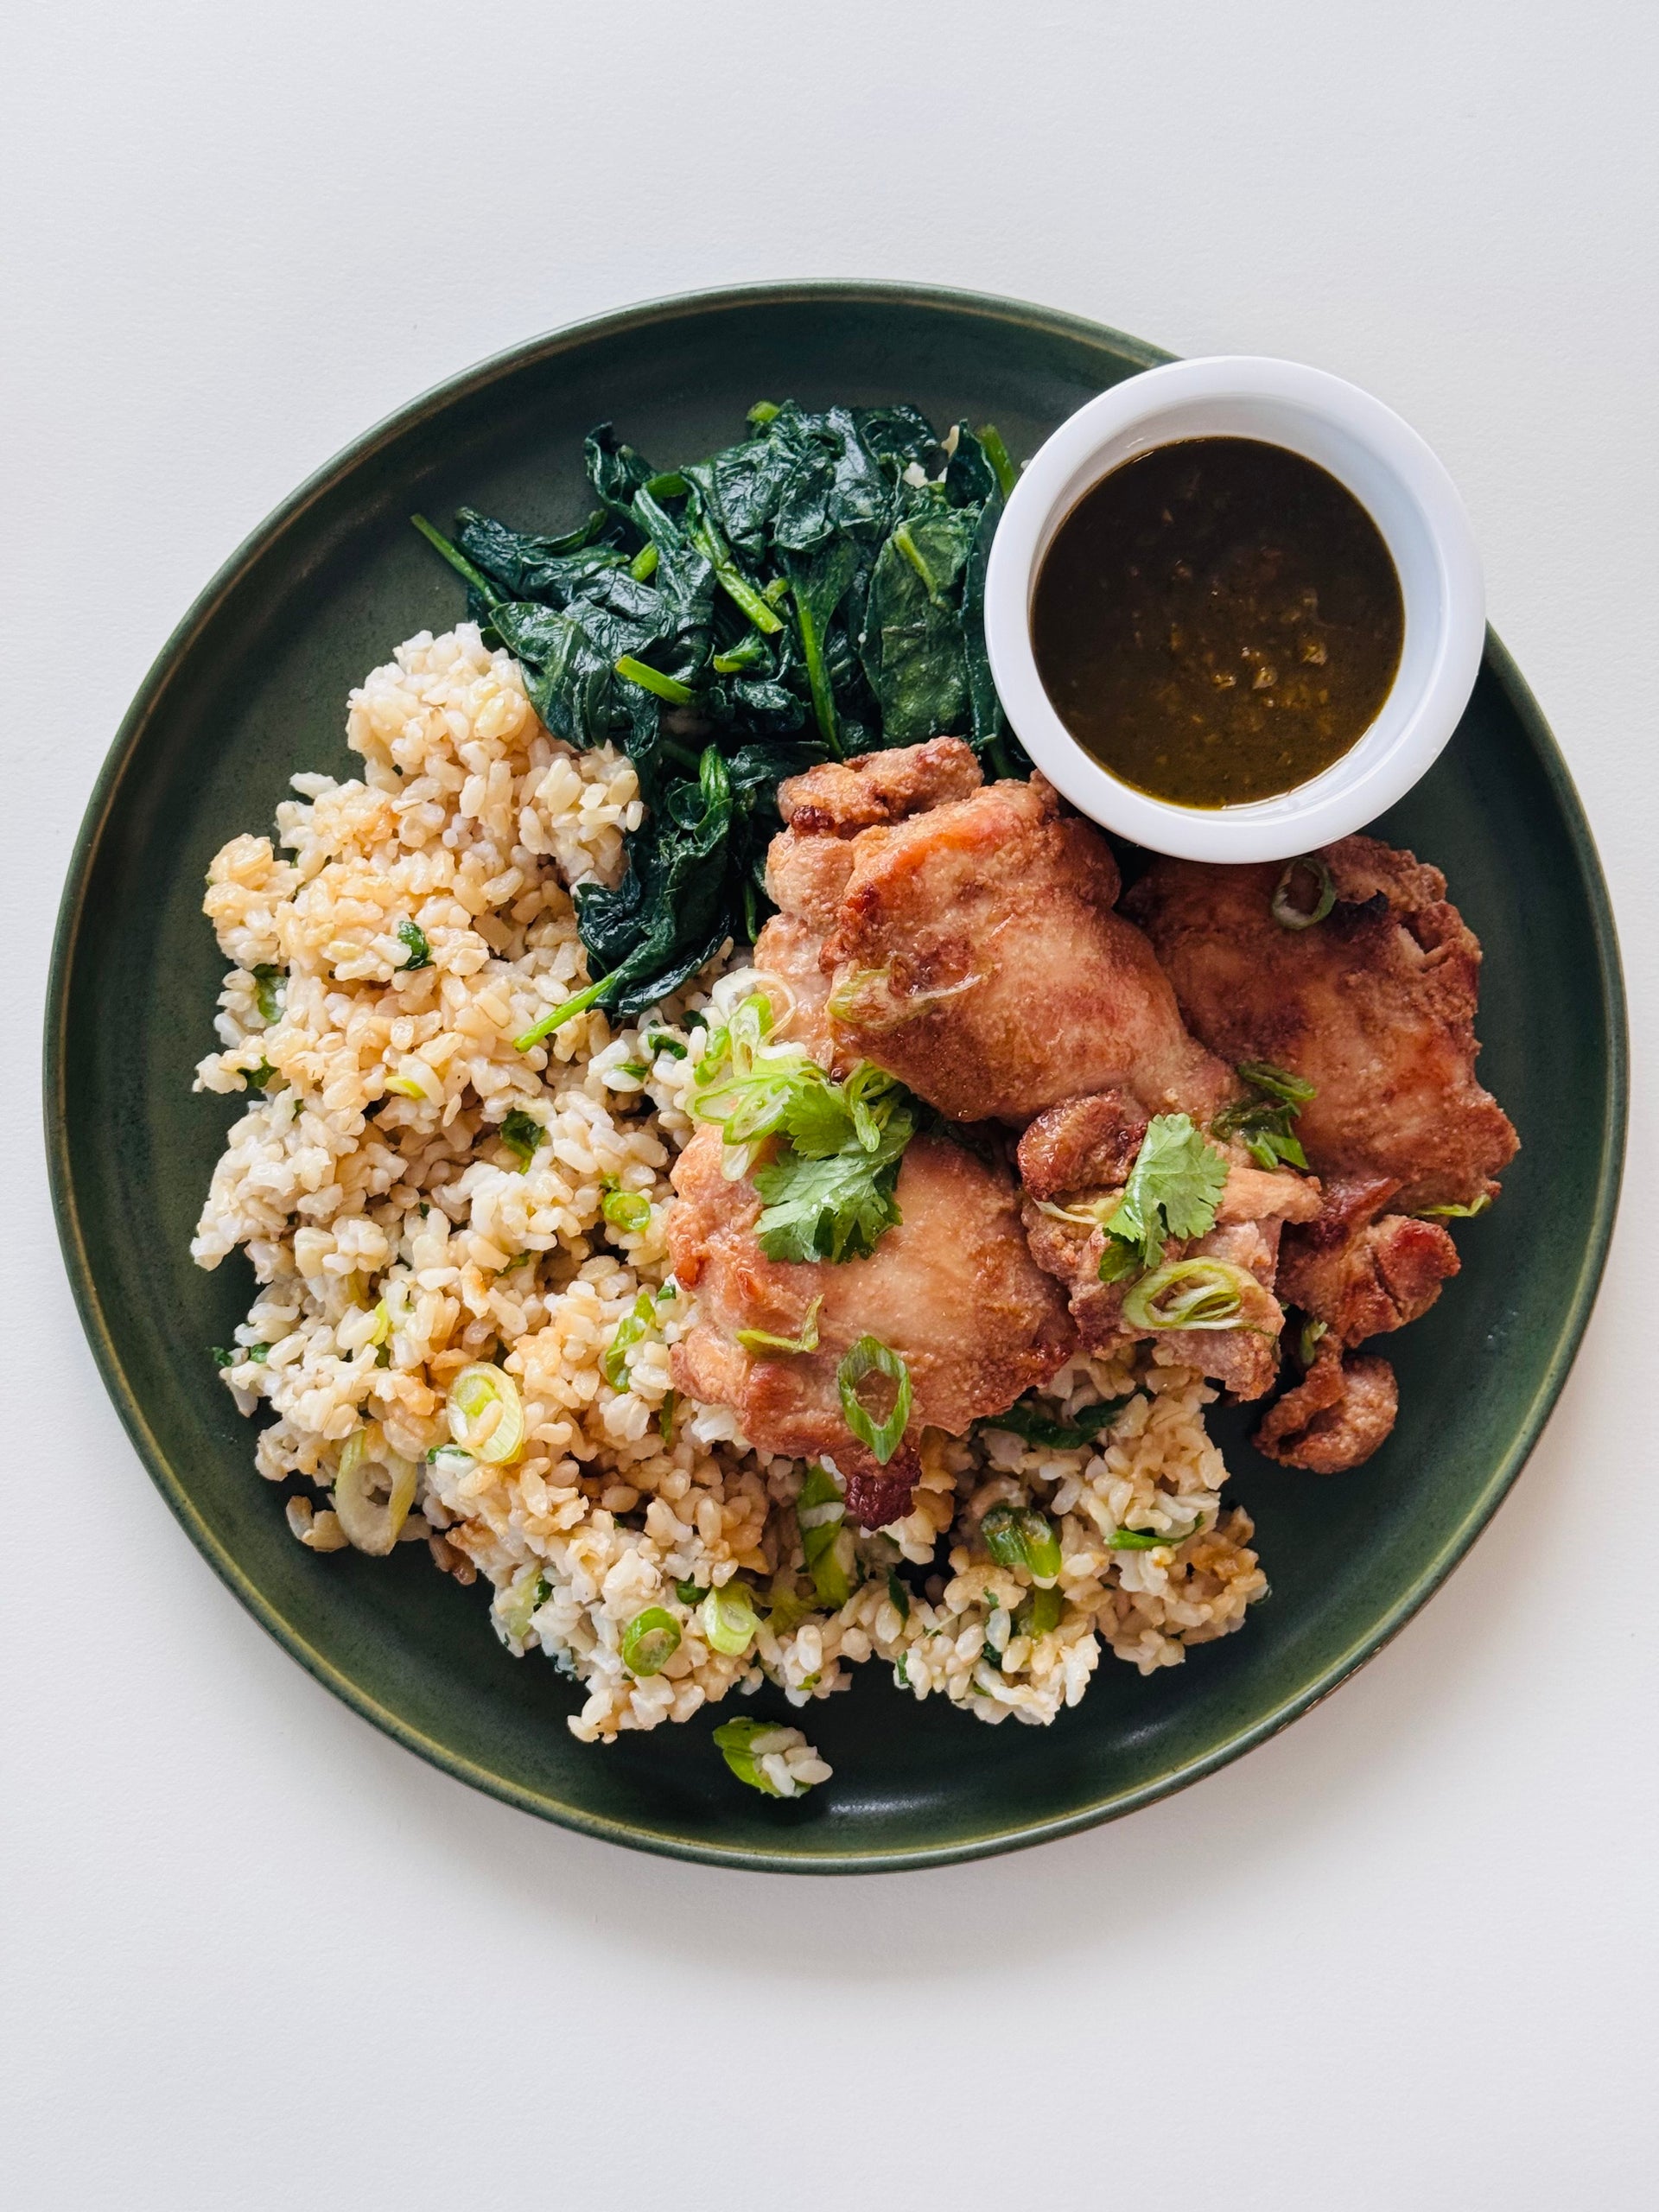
x: 1178, y: 1776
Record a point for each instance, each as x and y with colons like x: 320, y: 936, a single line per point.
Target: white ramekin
x: 1395, y: 478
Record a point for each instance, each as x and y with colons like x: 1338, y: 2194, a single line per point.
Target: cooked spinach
x: 815, y: 590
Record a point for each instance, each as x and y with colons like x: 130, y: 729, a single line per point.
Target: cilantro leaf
x: 816, y: 1118
x: 834, y: 1208
x: 523, y: 1134
x: 1173, y: 1191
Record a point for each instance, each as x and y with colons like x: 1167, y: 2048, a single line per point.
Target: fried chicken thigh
x: 1375, y: 1005
x: 952, y: 1289
x: 970, y: 940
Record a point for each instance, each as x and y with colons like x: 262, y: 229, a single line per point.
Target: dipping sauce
x: 1218, y: 622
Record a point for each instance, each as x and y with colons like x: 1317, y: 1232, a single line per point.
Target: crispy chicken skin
x: 1360, y: 1275
x: 952, y: 1289
x: 972, y: 946
x: 1375, y: 1005
x: 1335, y: 1417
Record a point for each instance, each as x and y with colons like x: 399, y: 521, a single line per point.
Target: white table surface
x: 257, y: 1957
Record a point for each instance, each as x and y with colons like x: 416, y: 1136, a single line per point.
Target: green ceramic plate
x: 251, y: 688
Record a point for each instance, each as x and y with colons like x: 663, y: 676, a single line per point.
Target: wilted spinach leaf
x: 707, y: 619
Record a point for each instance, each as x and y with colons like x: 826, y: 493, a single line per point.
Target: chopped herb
x: 899, y: 1595
x: 668, y: 1415
x: 1026, y: 1418
x: 630, y: 1331
x: 265, y: 980
x: 870, y: 1356
x: 829, y: 1189
x: 258, y: 1078
x: 1263, y: 1123
x: 518, y: 1259
x: 689, y: 1593
x: 235, y: 1354
x: 660, y: 1041
x: 901, y: 1671
x: 420, y: 952
x: 523, y: 1134
x: 805, y: 1339
x: 1174, y: 1190
x: 831, y: 1208
x: 222, y: 1356
x: 636, y: 1069
x: 1456, y: 1212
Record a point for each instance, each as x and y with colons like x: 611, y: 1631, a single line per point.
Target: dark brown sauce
x: 1218, y: 622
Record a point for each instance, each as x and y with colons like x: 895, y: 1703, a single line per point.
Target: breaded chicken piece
x: 1086, y: 1147
x: 951, y: 1289
x: 972, y: 942
x: 1375, y: 1005
x: 1336, y: 1416
x: 1360, y: 1275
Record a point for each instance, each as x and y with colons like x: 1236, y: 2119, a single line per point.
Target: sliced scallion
x: 736, y: 1741
x: 729, y: 1619
x: 1148, y: 1540
x: 372, y: 1525
x: 805, y: 1339
x: 628, y: 1211
x: 1456, y: 1212
x: 1283, y: 906
x: 487, y: 1415
x: 650, y: 1641
x: 1189, y: 1294
x: 870, y: 1356
x: 1021, y: 1537
x: 636, y: 1325
x: 1039, y: 1613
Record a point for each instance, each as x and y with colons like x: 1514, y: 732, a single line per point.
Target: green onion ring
x: 650, y: 1641
x: 1214, y: 1294
x: 1283, y: 909
x: 870, y: 1356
